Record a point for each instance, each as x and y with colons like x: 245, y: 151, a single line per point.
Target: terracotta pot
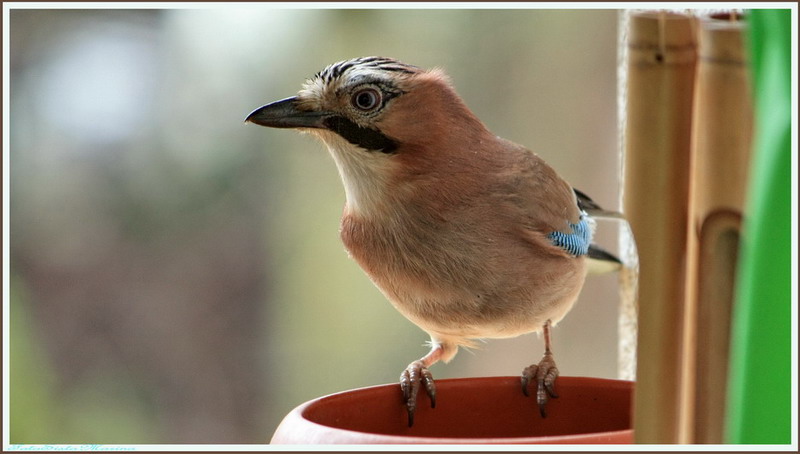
x: 490, y: 410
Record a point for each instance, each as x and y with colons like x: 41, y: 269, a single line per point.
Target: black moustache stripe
x: 369, y: 139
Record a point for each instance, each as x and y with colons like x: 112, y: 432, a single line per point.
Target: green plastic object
x: 759, y: 400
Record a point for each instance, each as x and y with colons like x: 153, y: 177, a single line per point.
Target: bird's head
x: 379, y: 118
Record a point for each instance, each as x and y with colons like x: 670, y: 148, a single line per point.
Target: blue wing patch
x: 575, y: 243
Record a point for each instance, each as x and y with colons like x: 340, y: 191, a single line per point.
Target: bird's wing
x: 546, y: 204
x: 593, y: 209
x: 562, y: 215
x: 578, y: 241
x: 600, y: 260
x: 585, y: 203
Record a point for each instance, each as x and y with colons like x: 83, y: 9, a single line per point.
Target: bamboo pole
x: 661, y: 68
x: 721, y: 149
x: 627, y: 323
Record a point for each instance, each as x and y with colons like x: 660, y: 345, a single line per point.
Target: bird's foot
x: 415, y: 376
x: 544, y: 374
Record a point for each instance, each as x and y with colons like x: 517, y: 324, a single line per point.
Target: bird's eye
x: 366, y: 99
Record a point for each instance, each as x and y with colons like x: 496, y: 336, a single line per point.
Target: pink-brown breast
x: 466, y: 258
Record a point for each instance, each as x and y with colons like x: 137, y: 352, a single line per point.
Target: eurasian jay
x: 468, y: 235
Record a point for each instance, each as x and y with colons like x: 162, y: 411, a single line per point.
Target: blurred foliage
x: 32, y: 379
x: 178, y: 276
x: 85, y: 413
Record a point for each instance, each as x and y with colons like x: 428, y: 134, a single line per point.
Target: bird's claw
x: 416, y: 374
x: 545, y: 374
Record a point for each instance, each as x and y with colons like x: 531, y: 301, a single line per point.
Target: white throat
x: 365, y: 174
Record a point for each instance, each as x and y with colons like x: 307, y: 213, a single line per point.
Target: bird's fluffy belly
x: 457, y: 290
x: 460, y: 315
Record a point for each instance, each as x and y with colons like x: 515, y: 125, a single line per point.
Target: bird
x: 468, y: 235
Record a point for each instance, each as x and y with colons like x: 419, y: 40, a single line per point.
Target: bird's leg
x: 544, y: 374
x: 416, y: 375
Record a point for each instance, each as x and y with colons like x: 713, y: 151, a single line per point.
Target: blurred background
x: 177, y: 276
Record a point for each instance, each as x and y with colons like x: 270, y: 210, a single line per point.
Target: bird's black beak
x: 285, y: 114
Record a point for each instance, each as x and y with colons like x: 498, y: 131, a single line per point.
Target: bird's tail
x: 602, y: 261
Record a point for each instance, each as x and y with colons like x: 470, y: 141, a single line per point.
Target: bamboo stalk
x: 722, y: 138
x: 627, y: 323
x: 661, y: 67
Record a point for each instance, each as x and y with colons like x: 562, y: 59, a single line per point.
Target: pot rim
x: 347, y: 436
